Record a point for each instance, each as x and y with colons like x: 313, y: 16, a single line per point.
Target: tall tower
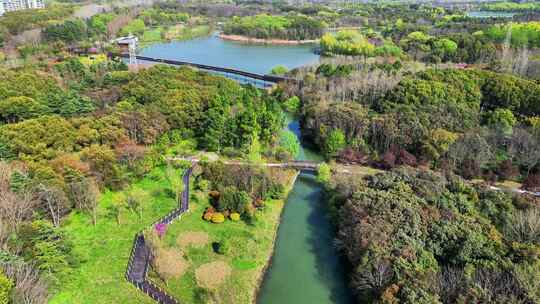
x: 132, y: 51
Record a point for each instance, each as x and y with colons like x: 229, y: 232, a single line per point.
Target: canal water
x: 305, y: 267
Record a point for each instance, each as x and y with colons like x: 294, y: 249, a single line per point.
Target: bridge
x: 264, y: 79
x: 301, y: 165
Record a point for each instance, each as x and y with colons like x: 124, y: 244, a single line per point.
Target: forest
x: 277, y: 27
x: 416, y: 236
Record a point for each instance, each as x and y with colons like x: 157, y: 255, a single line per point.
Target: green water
x: 305, y: 267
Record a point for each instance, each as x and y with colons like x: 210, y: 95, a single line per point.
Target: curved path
x: 140, y: 258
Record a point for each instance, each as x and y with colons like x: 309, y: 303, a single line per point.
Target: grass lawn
x: 251, y: 246
x: 105, y: 249
x: 177, y: 32
x: 152, y: 35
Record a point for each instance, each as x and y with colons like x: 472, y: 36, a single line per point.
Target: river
x: 305, y: 267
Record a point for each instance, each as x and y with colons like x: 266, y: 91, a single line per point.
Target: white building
x: 15, y: 5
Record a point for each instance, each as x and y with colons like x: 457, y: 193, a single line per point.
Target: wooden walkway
x: 141, y: 255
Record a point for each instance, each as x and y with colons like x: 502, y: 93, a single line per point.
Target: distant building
x: 16, y: 5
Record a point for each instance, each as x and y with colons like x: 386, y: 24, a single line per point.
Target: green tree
x: 324, y: 173
x: 335, y: 142
x: 289, y: 142
x: 279, y: 70
x: 6, y: 285
x: 502, y: 120
x: 15, y: 109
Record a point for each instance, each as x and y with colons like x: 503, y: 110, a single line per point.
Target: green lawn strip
x: 251, y: 247
x: 105, y: 249
x: 152, y: 35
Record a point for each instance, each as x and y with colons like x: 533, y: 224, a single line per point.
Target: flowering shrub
x: 160, y: 229
x: 218, y: 218
x: 235, y: 217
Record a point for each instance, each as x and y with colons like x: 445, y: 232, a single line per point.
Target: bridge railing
x: 261, y: 77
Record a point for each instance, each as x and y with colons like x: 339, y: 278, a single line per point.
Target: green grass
x: 105, y: 249
x: 251, y: 248
x: 178, y: 32
x: 152, y: 35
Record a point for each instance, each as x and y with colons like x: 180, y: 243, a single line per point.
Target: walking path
x: 141, y: 255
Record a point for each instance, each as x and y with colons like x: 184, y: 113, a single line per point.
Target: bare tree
x: 524, y: 226
x: 524, y: 148
x: 29, y: 287
x: 84, y: 193
x: 54, y: 202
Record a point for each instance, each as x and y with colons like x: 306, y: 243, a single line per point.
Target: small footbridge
x: 301, y: 165
x: 246, y: 77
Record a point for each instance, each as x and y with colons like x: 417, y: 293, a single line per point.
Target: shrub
x: 532, y: 182
x: 235, y: 217
x: 507, y: 170
x: 203, y: 184
x: 324, y: 173
x: 279, y: 70
x: 222, y: 247
x: 524, y: 226
x: 6, y: 285
x: 207, y: 216
x: 218, y: 218
x: 292, y: 104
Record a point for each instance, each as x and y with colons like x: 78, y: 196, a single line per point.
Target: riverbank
x: 245, y: 39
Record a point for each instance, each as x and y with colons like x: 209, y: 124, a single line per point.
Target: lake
x: 214, y: 51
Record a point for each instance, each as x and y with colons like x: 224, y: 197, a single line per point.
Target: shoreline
x: 245, y: 39
x: 264, y: 270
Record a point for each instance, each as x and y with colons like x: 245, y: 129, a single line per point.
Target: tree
x: 84, y: 193
x: 54, y: 202
x: 289, y: 142
x: 114, y: 212
x: 102, y: 161
x: 445, y: 48
x: 335, y: 142
x: 175, y: 178
x: 502, y: 120
x: 134, y: 198
x: 14, y: 207
x: 324, y: 173
x: 417, y: 42
x: 15, y: 109
x: 524, y: 149
x: 6, y: 286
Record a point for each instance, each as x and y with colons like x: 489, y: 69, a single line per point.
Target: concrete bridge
x: 295, y: 164
x: 264, y: 79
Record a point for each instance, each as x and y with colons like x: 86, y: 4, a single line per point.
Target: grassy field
x: 105, y: 250
x: 177, y: 32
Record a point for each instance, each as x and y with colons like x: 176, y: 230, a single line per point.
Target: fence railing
x: 140, y: 257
